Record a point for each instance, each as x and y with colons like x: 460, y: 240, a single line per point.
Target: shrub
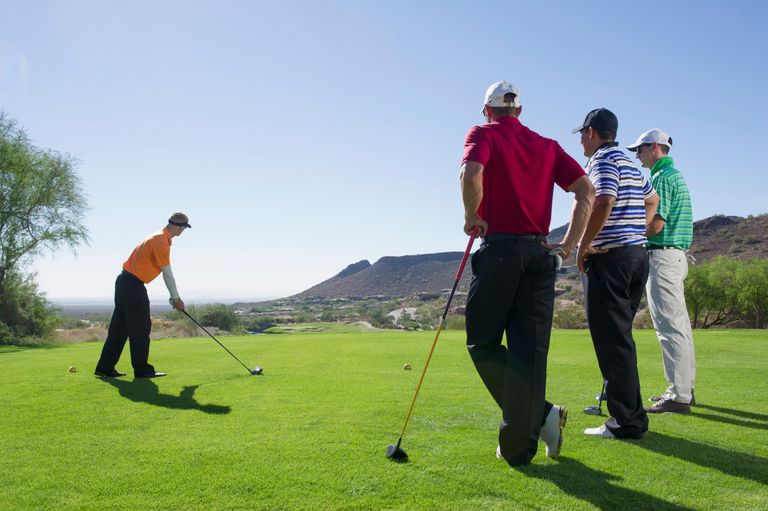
x: 570, y: 316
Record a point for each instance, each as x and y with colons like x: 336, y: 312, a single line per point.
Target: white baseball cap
x: 654, y: 136
x: 494, y: 96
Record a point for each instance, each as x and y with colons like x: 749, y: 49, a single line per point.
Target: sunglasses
x: 640, y: 147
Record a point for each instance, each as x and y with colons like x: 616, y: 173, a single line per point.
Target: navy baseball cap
x: 600, y: 119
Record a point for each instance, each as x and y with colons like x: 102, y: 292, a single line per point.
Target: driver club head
x: 257, y: 371
x: 593, y: 410
x: 395, y: 453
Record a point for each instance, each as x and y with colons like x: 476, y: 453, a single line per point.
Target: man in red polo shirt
x: 508, y: 175
x: 131, y: 319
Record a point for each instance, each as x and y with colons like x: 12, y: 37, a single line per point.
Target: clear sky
x: 302, y: 136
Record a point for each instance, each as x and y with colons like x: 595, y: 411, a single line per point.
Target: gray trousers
x: 666, y: 302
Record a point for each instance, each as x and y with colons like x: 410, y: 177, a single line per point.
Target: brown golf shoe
x: 668, y: 406
x: 656, y: 399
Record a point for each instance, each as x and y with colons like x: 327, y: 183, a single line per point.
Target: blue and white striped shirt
x: 613, y: 173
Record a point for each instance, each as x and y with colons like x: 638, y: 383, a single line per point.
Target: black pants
x: 512, y: 291
x: 616, y: 281
x: 129, y: 320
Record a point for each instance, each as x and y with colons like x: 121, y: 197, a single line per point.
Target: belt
x: 662, y: 247
x: 131, y: 276
x: 516, y: 237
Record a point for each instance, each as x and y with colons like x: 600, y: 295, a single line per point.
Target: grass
x: 311, y: 433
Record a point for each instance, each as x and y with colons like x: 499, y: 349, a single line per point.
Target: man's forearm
x: 471, y: 189
x: 597, y: 219
x: 582, y: 206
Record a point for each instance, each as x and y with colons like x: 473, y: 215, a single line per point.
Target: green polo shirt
x: 674, y: 206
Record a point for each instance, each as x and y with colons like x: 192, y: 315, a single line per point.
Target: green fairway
x: 311, y: 433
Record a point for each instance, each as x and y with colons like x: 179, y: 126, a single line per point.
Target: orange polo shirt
x: 152, y: 254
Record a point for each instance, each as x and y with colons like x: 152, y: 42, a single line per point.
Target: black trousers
x: 129, y: 320
x: 512, y: 291
x: 616, y: 281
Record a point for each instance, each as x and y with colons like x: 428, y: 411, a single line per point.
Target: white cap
x: 494, y: 96
x: 654, y: 136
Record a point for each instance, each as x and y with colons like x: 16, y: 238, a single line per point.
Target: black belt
x: 517, y: 237
x: 662, y: 247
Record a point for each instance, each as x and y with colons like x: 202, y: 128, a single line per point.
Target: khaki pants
x: 666, y: 303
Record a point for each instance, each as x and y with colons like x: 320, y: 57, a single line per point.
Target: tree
x: 752, y: 291
x: 712, y: 294
x: 219, y: 315
x: 41, y: 207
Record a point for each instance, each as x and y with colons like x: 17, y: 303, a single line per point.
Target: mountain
x: 734, y: 236
x: 393, y: 276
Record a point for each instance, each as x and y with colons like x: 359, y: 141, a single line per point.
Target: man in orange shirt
x: 131, y: 319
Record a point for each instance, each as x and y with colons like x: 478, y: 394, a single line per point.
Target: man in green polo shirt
x: 670, y: 233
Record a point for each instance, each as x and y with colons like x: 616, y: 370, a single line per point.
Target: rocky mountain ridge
x: 403, y: 276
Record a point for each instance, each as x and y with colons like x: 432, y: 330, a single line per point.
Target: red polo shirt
x: 520, y: 170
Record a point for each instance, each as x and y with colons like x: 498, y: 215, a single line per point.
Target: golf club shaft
x: 602, y: 393
x: 215, y: 339
x: 437, y: 334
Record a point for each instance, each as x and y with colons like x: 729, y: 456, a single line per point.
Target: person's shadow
x: 144, y: 390
x: 742, y: 418
x: 732, y: 463
x: 596, y: 487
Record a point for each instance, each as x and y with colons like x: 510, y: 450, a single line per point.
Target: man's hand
x: 562, y: 250
x: 474, y: 221
x: 177, y: 304
x: 584, y: 252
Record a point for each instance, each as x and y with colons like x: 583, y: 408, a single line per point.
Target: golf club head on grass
x: 257, y: 371
x: 395, y: 453
x: 593, y: 410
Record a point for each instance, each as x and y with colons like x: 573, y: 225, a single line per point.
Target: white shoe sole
x: 561, y: 426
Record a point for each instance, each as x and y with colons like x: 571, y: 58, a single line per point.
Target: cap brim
x: 633, y: 147
x: 576, y: 130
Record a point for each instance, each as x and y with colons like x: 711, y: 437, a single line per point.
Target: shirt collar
x: 607, y: 145
x: 168, y: 235
x: 664, y: 162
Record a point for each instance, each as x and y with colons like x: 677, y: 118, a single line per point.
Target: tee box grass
x: 311, y: 432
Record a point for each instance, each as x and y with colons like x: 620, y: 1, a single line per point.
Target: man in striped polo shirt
x: 612, y: 254
x: 670, y: 233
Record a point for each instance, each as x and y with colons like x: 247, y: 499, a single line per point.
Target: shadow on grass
x: 596, y: 487
x: 12, y: 348
x: 761, y: 424
x: 144, y: 390
x: 728, y: 462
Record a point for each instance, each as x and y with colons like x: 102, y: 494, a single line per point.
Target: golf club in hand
x: 395, y: 452
x: 254, y: 372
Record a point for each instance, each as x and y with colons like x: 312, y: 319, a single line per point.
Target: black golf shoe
x: 112, y: 373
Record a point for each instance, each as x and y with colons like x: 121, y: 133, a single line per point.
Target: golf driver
x: 597, y: 410
x: 254, y: 372
x: 395, y: 452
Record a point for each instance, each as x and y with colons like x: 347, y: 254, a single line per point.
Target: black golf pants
x: 130, y: 320
x: 512, y: 291
x: 616, y: 281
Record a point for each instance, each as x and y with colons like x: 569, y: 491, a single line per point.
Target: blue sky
x: 304, y: 136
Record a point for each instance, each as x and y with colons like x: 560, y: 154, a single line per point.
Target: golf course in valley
x: 311, y: 432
